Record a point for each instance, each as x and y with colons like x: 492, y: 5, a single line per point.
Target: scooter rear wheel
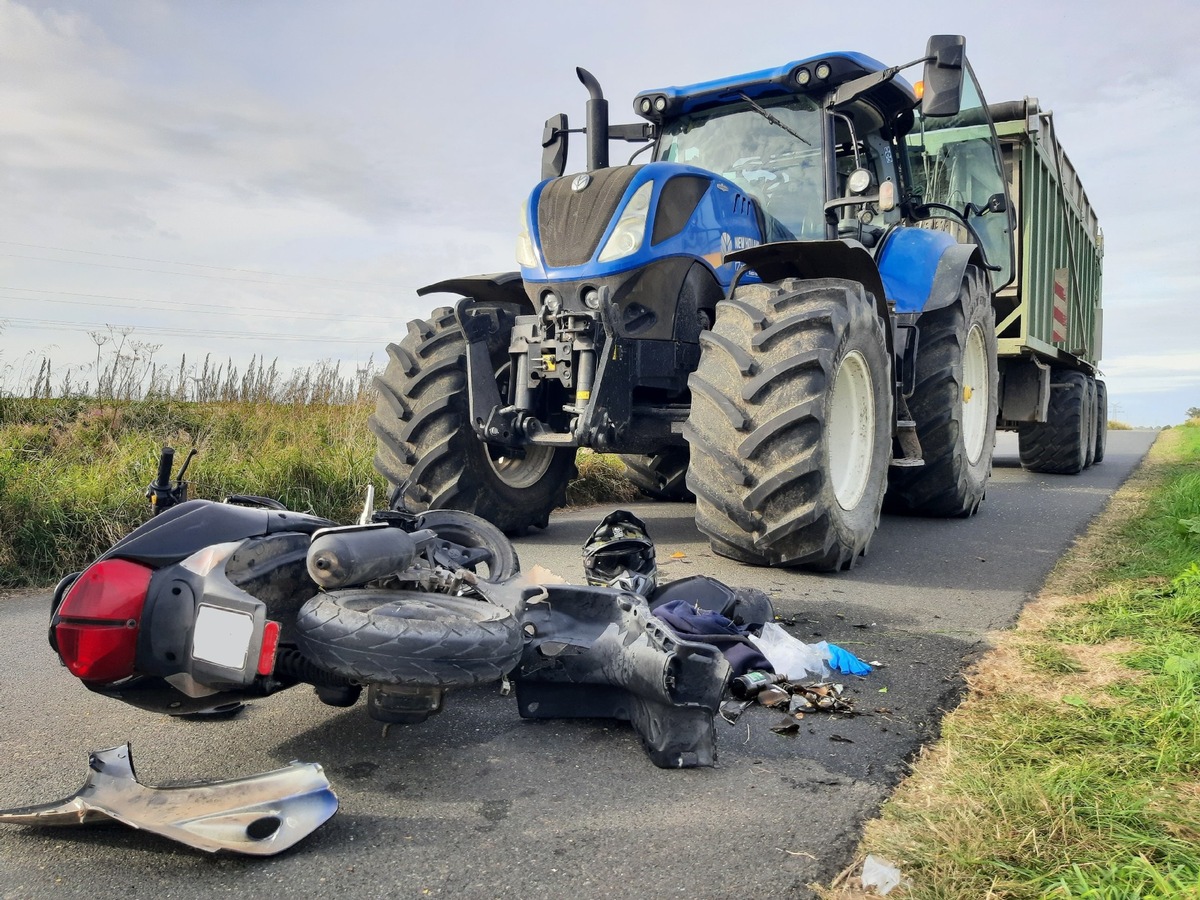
x: 408, y: 637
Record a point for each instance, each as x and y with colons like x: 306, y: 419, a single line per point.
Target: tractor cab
x: 782, y: 136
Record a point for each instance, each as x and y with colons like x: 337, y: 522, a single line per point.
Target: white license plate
x: 222, y: 636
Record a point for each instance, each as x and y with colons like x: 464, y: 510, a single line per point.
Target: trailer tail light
x: 96, y: 627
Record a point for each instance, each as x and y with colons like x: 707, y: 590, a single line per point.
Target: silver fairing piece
x: 258, y: 815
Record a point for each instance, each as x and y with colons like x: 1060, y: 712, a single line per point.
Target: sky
x: 278, y: 177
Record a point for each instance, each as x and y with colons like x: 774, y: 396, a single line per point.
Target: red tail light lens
x: 96, y: 626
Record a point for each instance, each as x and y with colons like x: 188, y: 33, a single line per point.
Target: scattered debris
x: 879, y: 874
x: 731, y: 710
x: 795, y: 659
x: 260, y: 815
x: 774, y: 696
x: 747, y: 686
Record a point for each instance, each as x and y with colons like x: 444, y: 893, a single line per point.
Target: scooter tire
x: 408, y: 637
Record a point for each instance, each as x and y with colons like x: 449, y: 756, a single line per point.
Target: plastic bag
x: 791, y: 657
x: 879, y: 874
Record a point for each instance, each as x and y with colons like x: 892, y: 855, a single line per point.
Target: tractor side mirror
x: 554, y: 146
x: 943, y: 75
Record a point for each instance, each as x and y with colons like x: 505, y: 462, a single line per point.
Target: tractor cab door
x: 955, y: 161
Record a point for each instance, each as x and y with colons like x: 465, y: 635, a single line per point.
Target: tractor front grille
x: 572, y: 222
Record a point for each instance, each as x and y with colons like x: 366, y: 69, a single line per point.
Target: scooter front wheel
x: 409, y: 637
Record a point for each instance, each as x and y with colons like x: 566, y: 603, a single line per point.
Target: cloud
x: 1151, y: 373
x: 84, y: 137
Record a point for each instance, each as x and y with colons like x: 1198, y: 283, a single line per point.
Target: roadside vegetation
x: 1072, y: 770
x: 73, y: 470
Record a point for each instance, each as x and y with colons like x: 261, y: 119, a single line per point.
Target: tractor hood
x: 608, y: 221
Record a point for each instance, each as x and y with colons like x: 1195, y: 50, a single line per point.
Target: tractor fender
x: 922, y: 269
x: 489, y: 290
x: 847, y: 259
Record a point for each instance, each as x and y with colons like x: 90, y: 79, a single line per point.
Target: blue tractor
x: 786, y: 312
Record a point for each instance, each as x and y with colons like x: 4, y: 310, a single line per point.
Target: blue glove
x: 846, y: 662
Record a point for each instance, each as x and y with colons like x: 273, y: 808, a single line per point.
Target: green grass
x: 73, y: 470
x: 1073, y: 768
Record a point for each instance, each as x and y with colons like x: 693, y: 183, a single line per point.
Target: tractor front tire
x: 1058, y: 446
x: 790, y: 425
x: 427, y: 448
x: 954, y: 405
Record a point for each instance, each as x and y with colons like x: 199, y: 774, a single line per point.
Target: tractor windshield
x: 772, y: 150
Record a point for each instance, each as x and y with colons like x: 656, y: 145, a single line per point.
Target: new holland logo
x: 730, y: 243
x: 582, y: 180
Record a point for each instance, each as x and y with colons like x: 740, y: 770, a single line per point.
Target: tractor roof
x: 815, y: 75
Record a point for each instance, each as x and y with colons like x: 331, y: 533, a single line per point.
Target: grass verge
x: 72, y: 470
x: 1072, y: 769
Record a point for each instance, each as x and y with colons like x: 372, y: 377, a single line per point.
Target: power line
x: 173, y: 262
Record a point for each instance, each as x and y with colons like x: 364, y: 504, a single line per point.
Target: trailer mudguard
x: 922, y: 269
x: 503, y: 287
x: 847, y: 259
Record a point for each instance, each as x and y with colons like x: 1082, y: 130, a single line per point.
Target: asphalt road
x: 478, y: 803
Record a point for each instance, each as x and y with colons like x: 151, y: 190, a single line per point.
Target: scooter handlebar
x: 166, y: 460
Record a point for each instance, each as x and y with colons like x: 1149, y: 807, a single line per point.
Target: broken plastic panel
x: 258, y: 815
x: 595, y: 652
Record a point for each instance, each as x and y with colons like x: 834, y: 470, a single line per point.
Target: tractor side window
x: 955, y: 161
x: 778, y: 163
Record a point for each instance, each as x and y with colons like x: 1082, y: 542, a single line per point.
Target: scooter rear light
x: 270, y: 646
x: 96, y: 627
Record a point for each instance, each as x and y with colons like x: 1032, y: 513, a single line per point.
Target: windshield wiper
x: 770, y: 118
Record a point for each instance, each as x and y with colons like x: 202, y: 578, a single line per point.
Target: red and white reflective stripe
x: 1059, y: 331
x: 270, y: 644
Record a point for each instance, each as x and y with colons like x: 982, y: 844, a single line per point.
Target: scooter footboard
x: 600, y: 653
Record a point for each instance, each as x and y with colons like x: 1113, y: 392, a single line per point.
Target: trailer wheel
x: 392, y: 637
x: 954, y: 405
x: 1089, y: 424
x: 425, y: 442
x: 790, y: 424
x: 662, y: 475
x: 1101, y: 419
x: 1058, y: 446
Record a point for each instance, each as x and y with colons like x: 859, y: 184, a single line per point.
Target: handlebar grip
x: 165, y: 460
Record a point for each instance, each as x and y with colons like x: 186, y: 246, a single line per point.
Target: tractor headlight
x: 526, y: 256
x: 627, y: 237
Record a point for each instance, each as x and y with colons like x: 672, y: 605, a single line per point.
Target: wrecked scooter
x: 207, y: 605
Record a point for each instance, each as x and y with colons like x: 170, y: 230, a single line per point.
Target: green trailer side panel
x: 1056, y: 230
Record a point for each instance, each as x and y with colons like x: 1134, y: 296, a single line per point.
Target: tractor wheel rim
x: 975, y: 394
x: 850, y: 425
x: 520, y: 473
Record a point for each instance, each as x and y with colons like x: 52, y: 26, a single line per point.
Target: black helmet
x: 620, y: 554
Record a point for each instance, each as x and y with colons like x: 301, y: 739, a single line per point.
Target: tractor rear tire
x: 1101, y: 419
x: 662, y: 476
x: 1058, y: 446
x: 427, y: 447
x: 790, y: 425
x: 954, y: 405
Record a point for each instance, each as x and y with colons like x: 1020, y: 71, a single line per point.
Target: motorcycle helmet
x: 620, y: 554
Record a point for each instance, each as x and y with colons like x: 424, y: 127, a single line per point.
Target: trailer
x: 1050, y: 318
